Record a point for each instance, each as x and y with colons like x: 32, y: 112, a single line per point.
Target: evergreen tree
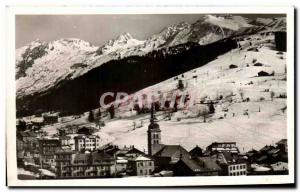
x: 111, y: 111
x: 91, y: 117
x: 211, y: 107
x: 180, y: 84
x: 98, y: 118
x: 21, y: 126
x: 175, y: 107
x: 99, y: 114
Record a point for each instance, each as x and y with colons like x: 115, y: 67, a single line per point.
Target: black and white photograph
x: 152, y: 96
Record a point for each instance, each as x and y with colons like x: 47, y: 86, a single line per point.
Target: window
x: 150, y: 163
x: 233, y: 167
x: 230, y: 168
x: 141, y: 171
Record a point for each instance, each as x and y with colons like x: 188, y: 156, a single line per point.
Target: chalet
x: 232, y: 66
x: 210, y: 164
x: 105, y: 164
x: 50, y: 119
x: 71, y: 129
x: 187, y: 167
x: 86, y: 130
x: 141, y: 166
x: 196, y: 152
x: 66, y: 141
x: 255, y: 49
x: 27, y: 139
x: 168, y: 156
x: 109, y: 149
x: 270, y: 154
x: 34, y: 122
x: 280, y: 168
x: 263, y: 74
x: 195, y: 167
x: 129, y: 152
x: 258, y: 64
x: 121, y: 165
x: 252, y: 156
x: 231, y: 164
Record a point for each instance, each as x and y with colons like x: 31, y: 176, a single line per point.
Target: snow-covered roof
x: 280, y: 166
x: 47, y: 172
x: 142, y: 158
x: 259, y: 168
x: 122, y: 160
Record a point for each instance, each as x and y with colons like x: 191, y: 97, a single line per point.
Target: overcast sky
x: 96, y: 29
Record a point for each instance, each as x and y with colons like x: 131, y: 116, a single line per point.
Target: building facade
x: 47, y: 149
x: 141, y: 166
x: 218, y: 147
x: 236, y: 169
x: 86, y: 142
x: 85, y: 165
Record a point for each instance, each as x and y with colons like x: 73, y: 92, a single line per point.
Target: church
x: 164, y: 155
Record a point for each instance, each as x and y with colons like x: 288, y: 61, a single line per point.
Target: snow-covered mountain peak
x: 71, y: 44
x: 228, y: 22
x: 123, y: 41
x: 173, y: 30
x: 41, y: 65
x: 124, y: 37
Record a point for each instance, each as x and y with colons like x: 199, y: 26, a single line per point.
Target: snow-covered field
x: 252, y: 124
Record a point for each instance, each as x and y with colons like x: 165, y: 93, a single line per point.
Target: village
x: 83, y: 155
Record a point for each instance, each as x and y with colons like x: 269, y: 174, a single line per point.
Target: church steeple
x: 152, y: 117
x: 154, y: 136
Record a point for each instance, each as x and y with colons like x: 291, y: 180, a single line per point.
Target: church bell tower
x: 154, y: 134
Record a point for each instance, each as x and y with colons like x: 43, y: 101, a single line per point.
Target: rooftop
x: 142, y: 158
x: 282, y: 142
x: 171, y: 150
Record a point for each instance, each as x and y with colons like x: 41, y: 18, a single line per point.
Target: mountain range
x: 57, y: 75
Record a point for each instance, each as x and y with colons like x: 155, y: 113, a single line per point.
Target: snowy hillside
x: 42, y: 65
x: 249, y: 109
